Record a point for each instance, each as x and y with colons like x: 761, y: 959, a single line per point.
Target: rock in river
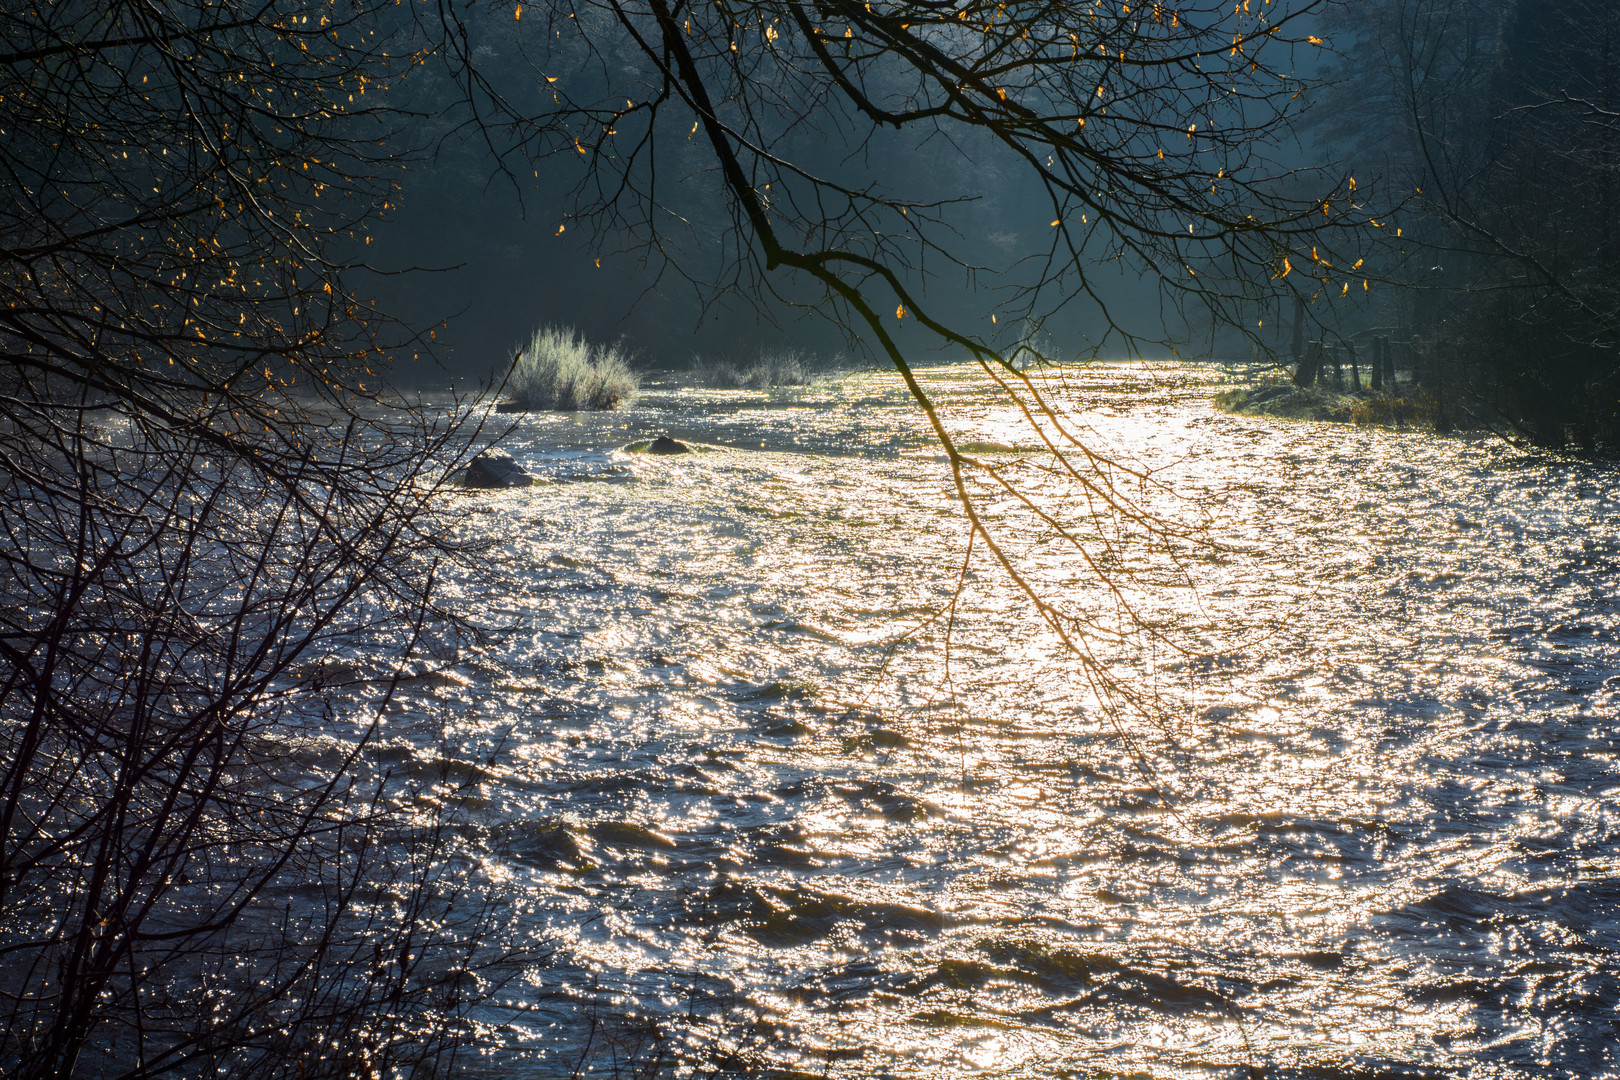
x: 661, y: 445
x: 496, y: 469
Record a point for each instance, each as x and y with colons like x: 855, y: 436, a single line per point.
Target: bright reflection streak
x: 759, y: 808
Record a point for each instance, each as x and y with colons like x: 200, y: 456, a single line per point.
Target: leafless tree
x: 209, y: 504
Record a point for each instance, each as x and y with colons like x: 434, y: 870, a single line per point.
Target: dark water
x: 771, y: 802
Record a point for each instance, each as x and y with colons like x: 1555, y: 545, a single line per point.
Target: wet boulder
x: 664, y: 444
x: 496, y: 469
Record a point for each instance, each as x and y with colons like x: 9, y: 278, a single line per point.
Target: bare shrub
x: 202, y: 869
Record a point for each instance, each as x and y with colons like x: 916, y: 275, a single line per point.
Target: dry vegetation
x: 561, y: 370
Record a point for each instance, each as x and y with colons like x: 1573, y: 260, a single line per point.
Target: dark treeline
x: 1486, y: 134
x: 570, y: 185
x: 1480, y: 137
x: 517, y: 250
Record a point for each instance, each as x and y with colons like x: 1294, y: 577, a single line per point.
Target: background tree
x: 1488, y: 127
x: 207, y: 501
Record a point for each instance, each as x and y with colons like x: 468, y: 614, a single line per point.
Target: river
x: 777, y: 778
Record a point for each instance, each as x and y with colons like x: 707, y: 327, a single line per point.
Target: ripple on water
x: 773, y: 803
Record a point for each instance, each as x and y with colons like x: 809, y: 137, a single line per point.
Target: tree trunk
x: 1443, y: 353
x: 1304, y: 373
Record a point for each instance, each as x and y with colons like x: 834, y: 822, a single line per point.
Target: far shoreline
x: 1418, y: 410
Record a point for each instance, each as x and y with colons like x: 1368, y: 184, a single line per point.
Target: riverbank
x: 1420, y: 409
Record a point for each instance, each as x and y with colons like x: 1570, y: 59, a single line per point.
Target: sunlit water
x: 764, y: 807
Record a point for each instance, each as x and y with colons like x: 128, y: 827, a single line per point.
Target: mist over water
x: 772, y: 803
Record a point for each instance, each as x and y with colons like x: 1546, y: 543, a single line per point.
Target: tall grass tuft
x: 786, y: 367
x: 560, y: 370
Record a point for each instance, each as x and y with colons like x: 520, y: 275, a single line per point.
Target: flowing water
x: 779, y: 778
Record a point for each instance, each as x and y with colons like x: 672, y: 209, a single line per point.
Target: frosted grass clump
x: 787, y: 367
x: 561, y: 370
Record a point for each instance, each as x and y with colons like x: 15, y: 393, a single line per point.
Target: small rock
x: 496, y: 469
x: 663, y: 445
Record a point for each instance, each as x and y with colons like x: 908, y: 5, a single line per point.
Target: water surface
x: 785, y: 782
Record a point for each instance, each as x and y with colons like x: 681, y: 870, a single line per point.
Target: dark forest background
x: 1482, y: 138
